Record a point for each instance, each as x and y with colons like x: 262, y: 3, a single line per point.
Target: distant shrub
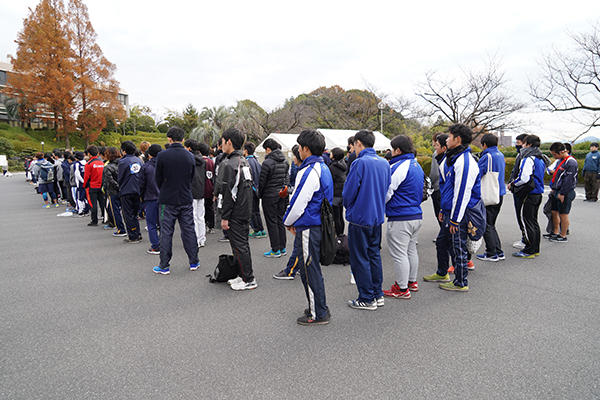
x: 6, y: 147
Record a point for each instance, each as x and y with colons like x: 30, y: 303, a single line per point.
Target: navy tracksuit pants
x: 307, y: 247
x: 168, y: 214
x: 151, y: 210
x: 131, y: 209
x: 455, y: 246
x: 364, y: 243
x: 114, y: 206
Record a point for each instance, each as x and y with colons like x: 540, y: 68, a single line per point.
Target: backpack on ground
x: 328, y: 240
x: 225, y: 270
x: 342, y: 253
x: 47, y: 173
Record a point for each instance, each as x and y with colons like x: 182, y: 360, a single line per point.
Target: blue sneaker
x: 501, y: 256
x: 107, y: 227
x: 485, y: 257
x: 194, y: 267
x: 522, y: 254
x: 283, y: 252
x: 162, y: 271
x: 272, y: 254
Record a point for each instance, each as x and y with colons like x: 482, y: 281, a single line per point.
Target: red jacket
x: 92, y: 175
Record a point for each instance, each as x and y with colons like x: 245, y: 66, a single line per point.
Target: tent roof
x: 333, y: 138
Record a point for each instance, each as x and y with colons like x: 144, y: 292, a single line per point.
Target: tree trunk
x: 87, y: 141
x: 67, y: 142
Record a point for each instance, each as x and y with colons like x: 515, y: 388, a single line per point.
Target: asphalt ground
x: 84, y: 317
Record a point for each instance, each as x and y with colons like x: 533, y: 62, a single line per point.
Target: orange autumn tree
x: 95, y: 87
x: 44, y: 77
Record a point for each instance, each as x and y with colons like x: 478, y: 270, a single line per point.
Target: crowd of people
x: 188, y: 182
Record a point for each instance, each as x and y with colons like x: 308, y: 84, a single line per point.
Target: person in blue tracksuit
x: 130, y: 180
x: 591, y: 172
x: 303, y: 218
x: 150, y: 194
x: 405, y: 216
x: 460, y: 190
x: 528, y: 188
x: 364, y: 199
x: 491, y: 156
x: 563, y: 183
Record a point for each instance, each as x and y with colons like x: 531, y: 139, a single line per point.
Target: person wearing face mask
x: 519, y: 140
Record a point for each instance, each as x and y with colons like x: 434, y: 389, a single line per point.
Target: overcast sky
x: 171, y: 53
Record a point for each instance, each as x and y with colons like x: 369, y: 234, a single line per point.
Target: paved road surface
x: 83, y: 317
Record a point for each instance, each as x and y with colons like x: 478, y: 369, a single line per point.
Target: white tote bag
x: 490, y: 187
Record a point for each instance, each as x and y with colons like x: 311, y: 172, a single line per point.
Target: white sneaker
x: 244, y: 286
x: 380, y: 301
x: 201, y: 244
x: 352, y: 281
x: 235, y: 280
x: 519, y: 245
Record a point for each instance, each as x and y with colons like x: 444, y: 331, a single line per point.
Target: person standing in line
x: 403, y: 209
x: 527, y: 189
x: 175, y: 169
x: 110, y: 183
x: 591, y: 172
x: 150, y: 194
x: 491, y: 156
x: 519, y: 141
x: 289, y: 272
x: 273, y: 191
x: 219, y: 158
x: 364, y: 199
x: 351, y: 153
x: 303, y: 219
x: 78, y: 176
x: 198, y: 190
x: 209, y: 210
x: 338, y: 172
x: 235, y: 203
x: 460, y: 190
x: 58, y: 160
x: 439, y: 148
x: 130, y: 181
x: 66, y: 172
x: 43, y: 170
x: 563, y: 183
x: 256, y: 220
x: 92, y: 182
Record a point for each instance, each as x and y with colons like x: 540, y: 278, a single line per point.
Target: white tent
x: 333, y: 138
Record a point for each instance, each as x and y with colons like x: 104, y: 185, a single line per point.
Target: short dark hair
x: 128, y: 147
x: 314, y: 140
x: 337, y: 153
x: 79, y: 155
x: 57, y: 153
x: 557, y: 147
x: 176, y: 134
x: 48, y: 156
x: 92, y: 150
x: 533, y: 140
x: 594, y: 144
x: 521, y: 137
x: 351, y: 140
x: 190, y: 143
x: 404, y: 143
x: 272, y: 144
x: 464, y: 132
x: 204, y: 149
x: 249, y: 147
x: 154, y: 149
x: 67, y: 154
x: 112, y: 153
x: 367, y: 138
x: 568, y: 147
x: 101, y: 150
x: 490, y: 140
x: 237, y: 138
x: 295, y: 152
x: 442, y: 139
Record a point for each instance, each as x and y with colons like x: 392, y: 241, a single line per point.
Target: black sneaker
x: 282, y: 275
x: 133, y: 241
x: 548, y: 235
x: 308, y: 320
x: 224, y: 239
x: 153, y: 251
x: 559, y: 239
x: 92, y: 224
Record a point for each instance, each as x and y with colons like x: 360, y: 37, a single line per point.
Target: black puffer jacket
x: 110, y: 181
x: 199, y: 177
x: 338, y: 173
x: 273, y: 174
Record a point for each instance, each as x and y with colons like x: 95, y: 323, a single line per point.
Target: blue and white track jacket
x: 461, y: 187
x: 405, y: 194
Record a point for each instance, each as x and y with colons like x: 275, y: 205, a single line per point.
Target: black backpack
x: 226, y: 269
x: 328, y: 240
x: 342, y: 253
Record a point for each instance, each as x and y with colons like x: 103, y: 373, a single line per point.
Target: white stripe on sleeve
x: 398, y: 177
x: 305, y: 193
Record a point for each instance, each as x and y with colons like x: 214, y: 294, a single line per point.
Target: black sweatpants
x: 493, y: 246
x: 274, y: 208
x: 255, y: 219
x: 238, y: 239
x: 209, y: 212
x: 531, y: 206
x: 168, y: 214
x: 94, y: 198
x: 519, y: 211
x: 338, y: 219
x: 130, y: 204
x: 436, y: 198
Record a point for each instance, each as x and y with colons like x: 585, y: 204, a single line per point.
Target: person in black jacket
x: 220, y: 156
x: 175, y: 168
x: 198, y: 190
x: 150, y: 194
x: 256, y: 220
x: 338, y: 172
x: 130, y: 181
x: 235, y: 204
x: 272, y: 189
x: 110, y: 183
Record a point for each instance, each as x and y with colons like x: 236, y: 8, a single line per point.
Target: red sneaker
x: 451, y: 269
x: 470, y: 266
x: 397, y: 293
x: 413, y: 286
